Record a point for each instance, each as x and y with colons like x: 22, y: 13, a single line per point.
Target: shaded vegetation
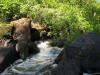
x: 4, y: 29
x: 65, y: 18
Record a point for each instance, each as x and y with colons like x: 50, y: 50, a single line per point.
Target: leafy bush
x: 65, y: 18
x: 9, y: 9
x: 61, y: 21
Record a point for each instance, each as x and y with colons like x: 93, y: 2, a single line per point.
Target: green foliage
x: 64, y: 21
x: 9, y: 9
x: 4, y: 29
x: 65, y: 18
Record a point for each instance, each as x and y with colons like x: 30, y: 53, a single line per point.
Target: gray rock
x: 7, y: 57
x: 82, y: 55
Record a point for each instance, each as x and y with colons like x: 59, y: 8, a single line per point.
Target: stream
x: 38, y: 64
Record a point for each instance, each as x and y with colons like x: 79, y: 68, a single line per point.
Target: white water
x: 37, y: 64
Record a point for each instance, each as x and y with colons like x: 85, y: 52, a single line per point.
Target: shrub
x: 65, y: 18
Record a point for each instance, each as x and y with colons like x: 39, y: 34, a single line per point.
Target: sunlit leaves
x: 65, y: 18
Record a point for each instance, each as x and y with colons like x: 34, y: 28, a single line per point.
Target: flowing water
x: 39, y: 64
x: 36, y: 64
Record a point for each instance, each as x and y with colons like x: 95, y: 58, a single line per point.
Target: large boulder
x: 7, y: 57
x: 21, y: 29
x: 82, y: 55
x: 23, y: 33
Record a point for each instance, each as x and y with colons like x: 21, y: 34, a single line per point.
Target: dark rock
x: 33, y: 49
x: 7, y: 57
x: 61, y: 42
x: 60, y: 57
x: 35, y: 35
x: 25, y: 49
x: 82, y: 55
x: 66, y: 68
